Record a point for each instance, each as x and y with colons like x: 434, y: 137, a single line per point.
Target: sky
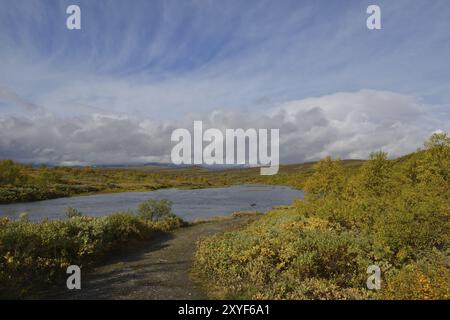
x: 114, y: 91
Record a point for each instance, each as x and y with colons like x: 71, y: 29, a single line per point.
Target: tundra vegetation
x: 22, y: 182
x: 35, y: 256
x: 389, y: 213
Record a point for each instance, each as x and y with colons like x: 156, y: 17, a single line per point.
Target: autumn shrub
x: 10, y: 172
x: 73, y: 212
x: 153, y: 209
x: 394, y: 214
x: 425, y: 279
x: 261, y: 260
x: 327, y: 180
x: 36, y: 255
x: 292, y: 288
x: 413, y: 225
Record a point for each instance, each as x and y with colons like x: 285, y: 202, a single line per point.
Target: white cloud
x: 345, y: 125
x: 352, y: 124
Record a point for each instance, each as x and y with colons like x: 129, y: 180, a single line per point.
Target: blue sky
x: 158, y: 63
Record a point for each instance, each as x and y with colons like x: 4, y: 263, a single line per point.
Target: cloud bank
x: 344, y: 124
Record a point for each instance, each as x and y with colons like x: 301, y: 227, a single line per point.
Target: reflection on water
x: 188, y: 204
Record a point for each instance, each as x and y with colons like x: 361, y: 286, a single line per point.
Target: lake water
x: 188, y: 204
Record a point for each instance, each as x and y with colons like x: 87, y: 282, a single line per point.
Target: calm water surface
x: 188, y: 204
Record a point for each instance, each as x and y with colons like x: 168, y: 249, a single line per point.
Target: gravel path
x: 157, y: 271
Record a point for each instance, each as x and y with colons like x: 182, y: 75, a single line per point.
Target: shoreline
x: 190, y: 204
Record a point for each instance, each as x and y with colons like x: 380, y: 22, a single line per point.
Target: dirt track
x: 157, y: 271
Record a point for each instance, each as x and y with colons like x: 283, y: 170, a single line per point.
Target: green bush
x: 72, y: 212
x: 425, y: 279
x: 10, y: 173
x: 327, y: 180
x: 262, y: 260
x: 36, y: 255
x: 394, y: 214
x: 154, y: 210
